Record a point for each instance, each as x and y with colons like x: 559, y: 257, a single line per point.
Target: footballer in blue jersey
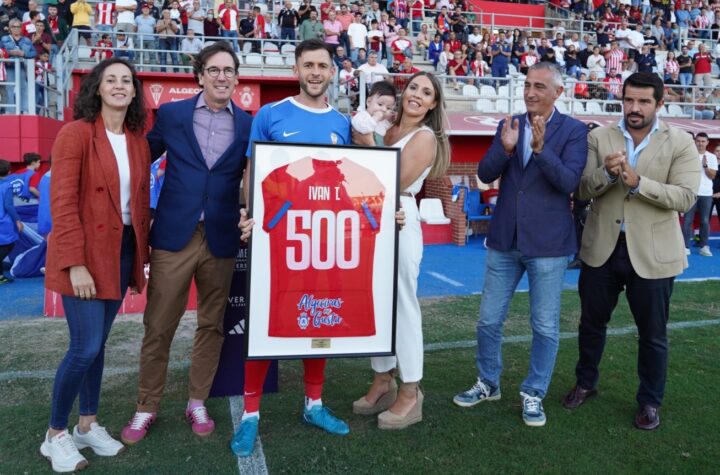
x: 307, y: 118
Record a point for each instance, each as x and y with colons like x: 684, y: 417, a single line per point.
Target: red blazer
x: 85, y: 206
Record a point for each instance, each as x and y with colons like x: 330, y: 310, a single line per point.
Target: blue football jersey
x: 290, y: 121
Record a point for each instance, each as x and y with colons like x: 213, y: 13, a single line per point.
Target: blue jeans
x: 703, y: 205
x: 168, y: 46
x: 503, y: 271
x: 234, y: 35
x: 14, y: 88
x: 89, y: 322
x: 287, y: 33
x: 686, y: 79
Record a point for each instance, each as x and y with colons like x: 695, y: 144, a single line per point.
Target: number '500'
x: 335, y: 227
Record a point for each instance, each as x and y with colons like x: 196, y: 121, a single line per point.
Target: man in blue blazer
x: 539, y: 157
x: 194, y: 234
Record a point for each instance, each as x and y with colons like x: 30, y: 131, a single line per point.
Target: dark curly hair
x: 88, y: 103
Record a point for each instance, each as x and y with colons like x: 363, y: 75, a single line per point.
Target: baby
x: 378, y: 115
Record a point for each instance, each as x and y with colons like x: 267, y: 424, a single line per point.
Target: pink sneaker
x: 137, y: 428
x: 202, y: 423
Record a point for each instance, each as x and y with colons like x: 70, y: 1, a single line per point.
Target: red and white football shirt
x: 322, y: 217
x: 228, y: 17
x: 103, y: 13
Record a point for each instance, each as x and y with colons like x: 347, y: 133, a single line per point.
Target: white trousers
x: 408, y: 336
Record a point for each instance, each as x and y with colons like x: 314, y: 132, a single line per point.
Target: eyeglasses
x: 15, y: 26
x: 214, y: 72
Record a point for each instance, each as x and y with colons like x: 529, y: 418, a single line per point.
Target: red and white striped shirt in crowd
x: 672, y: 66
x: 400, y: 9
x: 228, y: 16
x: 41, y: 70
x: 614, y: 60
x: 478, y: 67
x: 702, y: 22
x: 103, y: 13
x: 613, y: 85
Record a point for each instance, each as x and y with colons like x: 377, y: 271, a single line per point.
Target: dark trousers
x: 5, y: 250
x: 649, y: 301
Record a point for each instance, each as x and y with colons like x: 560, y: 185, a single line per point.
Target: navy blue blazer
x: 533, y: 213
x: 190, y: 188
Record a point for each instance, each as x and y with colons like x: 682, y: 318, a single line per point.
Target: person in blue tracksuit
x: 10, y: 224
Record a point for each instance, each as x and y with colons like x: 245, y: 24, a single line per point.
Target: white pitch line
x: 446, y: 279
x: 450, y: 345
x: 255, y: 464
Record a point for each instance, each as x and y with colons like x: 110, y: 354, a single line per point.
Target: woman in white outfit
x: 419, y: 131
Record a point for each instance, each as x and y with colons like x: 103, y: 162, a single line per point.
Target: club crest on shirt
x: 333, y: 138
x: 318, y: 313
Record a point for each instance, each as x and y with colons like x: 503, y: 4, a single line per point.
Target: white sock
x: 248, y: 415
x: 310, y: 403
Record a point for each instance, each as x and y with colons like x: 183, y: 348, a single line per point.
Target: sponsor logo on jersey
x: 289, y: 134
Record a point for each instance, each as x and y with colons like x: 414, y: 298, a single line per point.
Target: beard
x: 645, y: 121
x: 305, y: 86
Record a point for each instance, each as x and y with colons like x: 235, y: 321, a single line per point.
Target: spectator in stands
x: 613, y: 87
x: 102, y: 49
x: 98, y: 247
x: 713, y: 103
x: 146, y: 35
x: 401, y: 46
x: 390, y: 33
x: 10, y: 224
x: 270, y: 27
x: 125, y: 15
x: 443, y: 24
x: 348, y: 82
x: 81, y: 11
x: 18, y: 48
x: 529, y: 59
x: 64, y: 10
x: 645, y: 60
x: 155, y: 12
x: 674, y: 90
x: 357, y: 36
x: 423, y: 40
x: 552, y: 156
x: 572, y: 65
x: 32, y: 6
x: 459, y: 23
x: 614, y: 58
x: 288, y: 19
x: 550, y: 57
x: 682, y: 17
x: 435, y: 49
x: 8, y: 11
x: 333, y: 29
x: 325, y: 8
x: 196, y: 19
x: 42, y: 68
x: 518, y: 50
x: 190, y: 46
x: 167, y: 31
x: 373, y: 70
x: 28, y: 27
x: 479, y: 68
x: 124, y: 46
x: 42, y: 41
x: 457, y: 67
x: 339, y: 57
x: 596, y: 62
x: 702, y: 66
x: 445, y: 57
x: 596, y: 88
x: 454, y: 42
x: 500, y: 59
x: 305, y: 9
x: 247, y: 30
x: 671, y: 65
x: 345, y: 17
x: 684, y: 61
x: 475, y: 37
x: 228, y: 15
x: 104, y: 11
x: 312, y: 28
x: 582, y: 91
x: 57, y: 28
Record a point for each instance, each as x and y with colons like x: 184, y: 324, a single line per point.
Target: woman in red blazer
x: 98, y: 245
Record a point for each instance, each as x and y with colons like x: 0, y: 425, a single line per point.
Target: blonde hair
x: 436, y: 120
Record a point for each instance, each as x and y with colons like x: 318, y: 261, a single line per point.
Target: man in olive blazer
x: 640, y: 174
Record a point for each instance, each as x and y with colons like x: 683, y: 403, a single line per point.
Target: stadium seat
x: 290, y: 59
x: 247, y: 47
x: 561, y: 106
x: 675, y: 110
x: 469, y: 90
x: 502, y: 106
x: 84, y: 52
x: 475, y: 211
x: 512, y: 70
x: 239, y: 57
x: 431, y: 211
x: 503, y: 91
x: 662, y: 112
x: 518, y: 106
x: 288, y: 48
x: 487, y: 92
x: 254, y: 59
x: 274, y: 59
x: 484, y: 105
x: 269, y: 48
x: 518, y: 90
x: 593, y: 108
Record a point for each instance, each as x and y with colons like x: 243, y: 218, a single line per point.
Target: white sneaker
x: 705, y: 251
x: 687, y: 251
x: 62, y: 453
x: 98, y: 440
